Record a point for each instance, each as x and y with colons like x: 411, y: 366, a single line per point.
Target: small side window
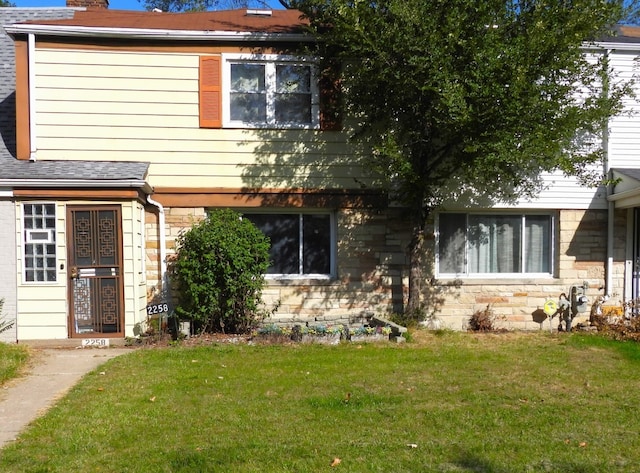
x: 39, y: 238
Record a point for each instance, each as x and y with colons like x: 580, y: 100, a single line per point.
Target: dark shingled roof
x: 14, y: 169
x: 629, y: 172
x: 9, y: 16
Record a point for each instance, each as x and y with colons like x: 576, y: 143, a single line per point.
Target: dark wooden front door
x: 95, y: 271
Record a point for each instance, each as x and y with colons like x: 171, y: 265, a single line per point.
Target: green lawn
x: 449, y: 403
x: 12, y: 359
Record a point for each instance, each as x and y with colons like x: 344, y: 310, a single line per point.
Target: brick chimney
x: 103, y: 4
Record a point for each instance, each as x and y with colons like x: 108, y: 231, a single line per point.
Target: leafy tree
x: 6, y: 3
x: 219, y: 273
x: 471, y: 99
x: 201, y: 5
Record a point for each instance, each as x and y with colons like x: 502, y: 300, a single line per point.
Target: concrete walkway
x: 53, y: 373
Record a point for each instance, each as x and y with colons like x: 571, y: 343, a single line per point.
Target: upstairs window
x: 496, y: 244
x: 258, y: 91
x: 39, y: 221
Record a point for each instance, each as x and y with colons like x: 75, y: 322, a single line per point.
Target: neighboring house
x: 132, y: 125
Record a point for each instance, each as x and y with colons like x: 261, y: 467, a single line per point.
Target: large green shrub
x: 219, y: 273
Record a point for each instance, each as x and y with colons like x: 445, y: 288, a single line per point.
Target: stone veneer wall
x: 370, y: 259
x: 517, y: 303
x: 372, y: 272
x: 176, y: 221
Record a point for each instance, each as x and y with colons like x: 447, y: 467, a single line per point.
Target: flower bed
x: 328, y: 334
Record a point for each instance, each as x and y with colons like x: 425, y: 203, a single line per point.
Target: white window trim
x: 30, y: 232
x: 24, y: 241
x: 269, y: 60
x: 333, y: 235
x: 520, y: 276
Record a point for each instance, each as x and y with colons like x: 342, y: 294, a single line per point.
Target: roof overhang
x: 613, y: 45
x: 6, y: 184
x: 626, y: 192
x: 157, y: 34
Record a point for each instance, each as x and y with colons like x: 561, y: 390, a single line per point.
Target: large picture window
x: 509, y: 244
x: 301, y: 244
x: 270, y: 91
x: 39, y: 221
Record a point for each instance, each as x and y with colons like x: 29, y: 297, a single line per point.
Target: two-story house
x: 130, y: 126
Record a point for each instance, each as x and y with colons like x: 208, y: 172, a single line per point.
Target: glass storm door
x: 95, y: 271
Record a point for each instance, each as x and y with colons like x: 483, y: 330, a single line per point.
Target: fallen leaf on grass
x: 412, y: 445
x: 582, y: 444
x: 100, y: 389
x: 102, y: 373
x: 152, y: 399
x: 336, y: 461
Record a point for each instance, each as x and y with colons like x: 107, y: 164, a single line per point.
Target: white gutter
x: 32, y: 96
x: 611, y: 206
x: 608, y: 281
x: 146, y: 33
x: 164, y: 281
x: 66, y: 183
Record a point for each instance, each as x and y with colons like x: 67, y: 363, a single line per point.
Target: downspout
x: 31, y: 47
x: 164, y: 282
x: 608, y: 282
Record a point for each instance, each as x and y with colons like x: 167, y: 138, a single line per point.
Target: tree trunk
x: 416, y: 260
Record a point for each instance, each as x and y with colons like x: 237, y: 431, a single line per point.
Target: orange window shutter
x: 330, y: 99
x: 210, y: 92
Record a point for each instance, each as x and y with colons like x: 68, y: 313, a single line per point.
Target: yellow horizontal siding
x: 32, y: 302
x: 100, y: 83
x: 127, y: 96
x: 43, y: 307
x: 89, y: 72
x: 144, y: 107
x: 183, y: 147
x: 43, y: 317
x: 239, y: 182
x: 39, y: 332
x: 69, y: 122
x: 119, y: 58
x: 209, y: 151
x: 125, y: 111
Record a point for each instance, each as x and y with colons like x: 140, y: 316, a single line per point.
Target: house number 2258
x: 157, y: 309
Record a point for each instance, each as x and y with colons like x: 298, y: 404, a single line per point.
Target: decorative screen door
x: 95, y: 271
